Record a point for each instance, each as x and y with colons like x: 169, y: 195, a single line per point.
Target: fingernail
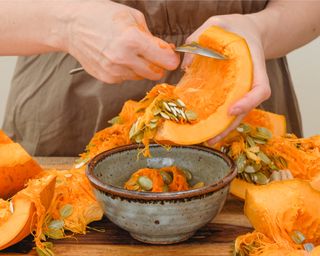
x: 235, y: 111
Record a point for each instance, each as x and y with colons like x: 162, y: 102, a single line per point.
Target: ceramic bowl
x: 161, y: 218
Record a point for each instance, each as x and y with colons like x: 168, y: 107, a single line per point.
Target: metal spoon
x: 193, y: 48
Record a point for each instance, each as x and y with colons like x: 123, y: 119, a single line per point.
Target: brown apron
x: 52, y: 113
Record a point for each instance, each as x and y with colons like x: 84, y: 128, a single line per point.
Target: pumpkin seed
x: 145, y: 183
x: 181, y: 103
x: 55, y: 233
x: 187, y: 174
x: 252, y: 156
x: 139, y: 137
x: 166, y: 177
x: 156, y: 110
x: 191, y: 116
x: 308, y: 247
x: 165, y: 188
x: 56, y: 224
x: 136, y: 187
x: 166, y: 106
x: 198, y: 185
x: 264, y: 158
x: 244, y: 128
x: 133, y: 130
x: 283, y: 162
x: 265, y: 132
x: 262, y: 133
x: 275, y: 176
x: 254, y: 149
x: 297, y: 237
x: 256, y: 166
x: 172, y: 104
x: 250, y: 141
x: 153, y: 125
x: 44, y: 252
x: 115, y: 120
x: 173, y: 111
x: 240, y: 162
x: 272, y: 166
x: 258, y: 141
x: 247, y: 177
x: 249, y: 169
x: 259, y: 178
x: 164, y: 115
x: 184, y: 115
x: 66, y: 211
x: 81, y: 162
x: 11, y: 208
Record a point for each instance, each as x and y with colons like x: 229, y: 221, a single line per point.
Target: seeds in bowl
x: 166, y: 179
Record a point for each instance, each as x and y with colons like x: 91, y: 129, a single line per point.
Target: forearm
x: 286, y: 25
x: 32, y: 26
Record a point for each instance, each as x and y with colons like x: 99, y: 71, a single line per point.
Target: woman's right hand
x: 112, y: 42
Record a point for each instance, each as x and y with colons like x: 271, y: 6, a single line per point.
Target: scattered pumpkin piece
x: 16, y: 167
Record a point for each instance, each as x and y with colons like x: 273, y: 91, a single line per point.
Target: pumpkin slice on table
x: 16, y: 167
x: 19, y: 216
x: 286, y: 218
x: 209, y: 88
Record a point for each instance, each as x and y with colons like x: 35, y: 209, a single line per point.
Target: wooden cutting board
x: 215, y: 239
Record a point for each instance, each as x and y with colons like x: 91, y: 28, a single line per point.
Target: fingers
x: 158, y: 52
x: 146, y: 69
x: 261, y: 88
x: 233, y: 126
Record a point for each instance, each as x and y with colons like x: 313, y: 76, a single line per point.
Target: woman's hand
x: 112, y: 42
x: 245, y: 27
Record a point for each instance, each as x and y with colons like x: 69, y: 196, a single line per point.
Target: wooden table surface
x: 215, y: 239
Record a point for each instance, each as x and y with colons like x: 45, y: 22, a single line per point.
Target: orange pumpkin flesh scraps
x: 285, y: 216
x: 178, y: 183
x: 16, y: 167
x: 275, y: 123
x: 209, y: 87
x: 29, y: 205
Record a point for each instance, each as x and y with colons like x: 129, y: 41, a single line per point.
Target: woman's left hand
x: 245, y: 27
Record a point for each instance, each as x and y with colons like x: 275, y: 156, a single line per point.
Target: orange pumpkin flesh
x: 21, y: 221
x: 16, y: 167
x: 210, y: 87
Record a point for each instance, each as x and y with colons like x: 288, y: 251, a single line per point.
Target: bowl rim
x: 131, y: 194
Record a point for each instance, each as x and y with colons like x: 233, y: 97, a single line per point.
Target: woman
x: 52, y: 113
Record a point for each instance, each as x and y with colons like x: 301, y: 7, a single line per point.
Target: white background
x: 304, y: 66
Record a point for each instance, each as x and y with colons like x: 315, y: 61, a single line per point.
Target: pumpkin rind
x: 210, y: 87
x: 21, y: 222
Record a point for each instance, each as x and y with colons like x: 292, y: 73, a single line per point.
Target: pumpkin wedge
x: 209, y: 87
x: 280, y: 208
x: 21, y: 221
x: 16, y: 167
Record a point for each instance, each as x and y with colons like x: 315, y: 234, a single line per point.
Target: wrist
x: 59, y: 18
x: 263, y: 21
